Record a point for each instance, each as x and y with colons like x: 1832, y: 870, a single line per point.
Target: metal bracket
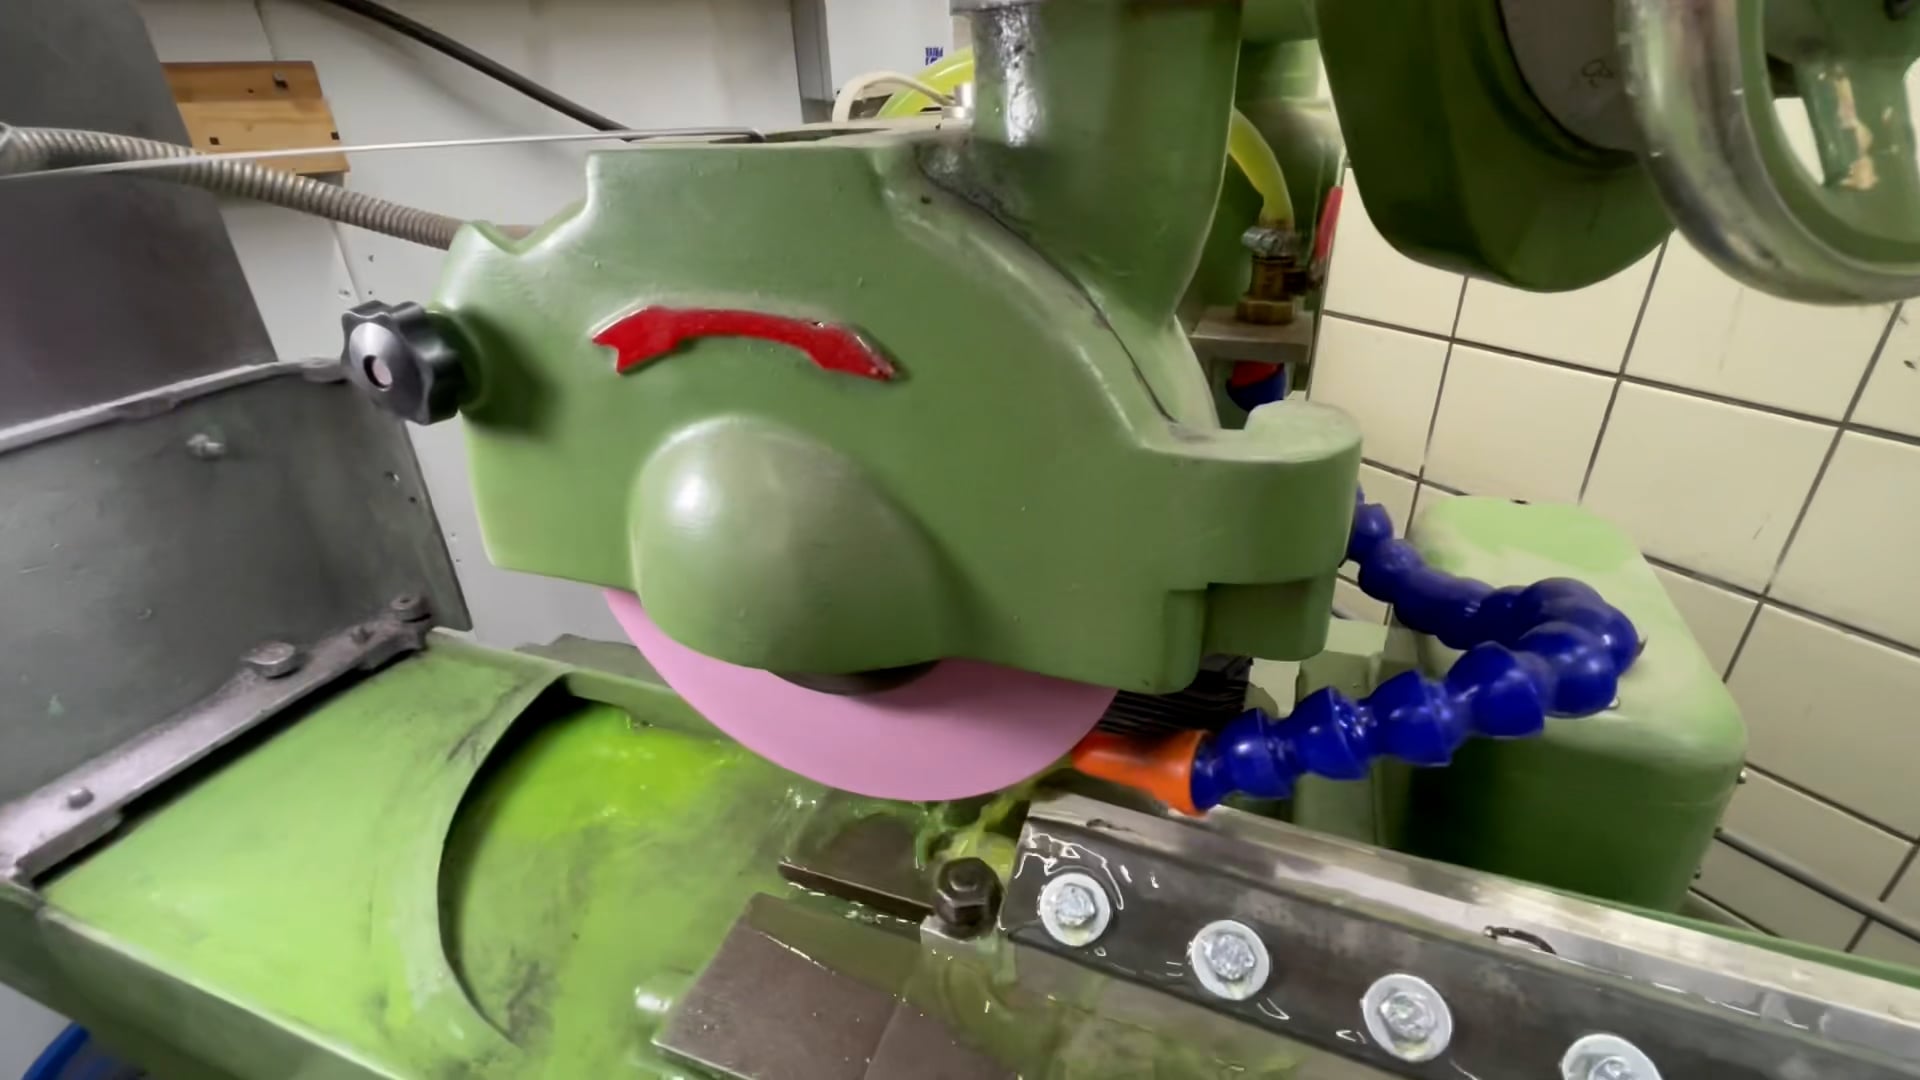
x: 1337, y: 916
x: 1220, y: 336
x: 53, y: 824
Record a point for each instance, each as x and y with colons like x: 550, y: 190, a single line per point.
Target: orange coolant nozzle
x: 1163, y: 768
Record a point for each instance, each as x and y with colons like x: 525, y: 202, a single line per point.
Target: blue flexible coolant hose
x: 1553, y: 648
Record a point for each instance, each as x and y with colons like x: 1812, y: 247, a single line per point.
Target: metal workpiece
x: 43, y: 829
x: 397, y: 356
x: 1385, y: 958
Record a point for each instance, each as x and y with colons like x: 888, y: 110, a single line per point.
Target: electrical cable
x: 34, y: 149
x: 858, y: 88
x: 485, y: 65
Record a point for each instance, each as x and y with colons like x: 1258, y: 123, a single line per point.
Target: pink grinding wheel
x: 965, y: 728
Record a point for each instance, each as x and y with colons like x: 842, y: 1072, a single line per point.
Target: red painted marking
x: 653, y: 332
x: 1248, y: 372
x: 1329, y: 221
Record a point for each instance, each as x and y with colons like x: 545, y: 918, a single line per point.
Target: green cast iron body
x: 482, y: 864
x: 1621, y: 805
x: 1045, y: 485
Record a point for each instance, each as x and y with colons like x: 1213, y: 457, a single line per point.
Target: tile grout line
x: 1901, y: 437
x: 1613, y: 392
x: 1839, y: 430
x: 1800, y: 789
x: 1885, y: 895
x: 1440, y: 388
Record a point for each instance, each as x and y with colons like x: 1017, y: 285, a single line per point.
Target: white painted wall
x: 664, y: 63
x: 890, y: 35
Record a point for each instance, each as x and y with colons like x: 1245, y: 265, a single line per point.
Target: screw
x: 410, y: 607
x: 79, y: 797
x: 966, y: 896
x: 1229, y: 959
x: 1606, y: 1057
x: 1612, y: 1068
x: 205, y: 447
x: 1407, y: 1017
x: 274, y: 660
x: 1074, y: 909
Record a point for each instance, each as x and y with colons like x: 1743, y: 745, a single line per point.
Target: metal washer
x: 1238, y: 989
x: 1588, y: 1051
x: 1076, y: 936
x: 1427, y: 1049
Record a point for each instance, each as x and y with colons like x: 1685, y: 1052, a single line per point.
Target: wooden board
x: 264, y: 105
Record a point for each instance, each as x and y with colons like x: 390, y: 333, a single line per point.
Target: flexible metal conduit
x: 31, y: 149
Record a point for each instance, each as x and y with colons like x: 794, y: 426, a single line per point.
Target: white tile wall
x: 1387, y: 379
x: 1881, y: 943
x: 1765, y: 454
x: 1370, y: 280
x: 1892, y: 398
x: 1853, y: 557
x: 1712, y: 487
x: 1587, y: 326
x: 1554, y: 412
x: 1705, y: 331
x: 1350, y: 603
x: 1718, y: 617
x: 1775, y: 903
x: 1840, y: 848
x: 1829, y: 711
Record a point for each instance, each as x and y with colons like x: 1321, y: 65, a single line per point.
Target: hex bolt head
x: 79, y: 798
x: 273, y: 660
x: 966, y: 896
x: 1407, y: 1017
x: 1074, y: 909
x: 1229, y: 959
x: 205, y: 447
x: 410, y: 607
x: 1606, y: 1057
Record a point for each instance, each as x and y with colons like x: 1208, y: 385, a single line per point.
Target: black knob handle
x: 399, y: 357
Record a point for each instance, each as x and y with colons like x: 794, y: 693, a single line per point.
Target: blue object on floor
x: 73, y: 1055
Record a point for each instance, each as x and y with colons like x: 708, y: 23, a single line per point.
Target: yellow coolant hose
x: 1245, y: 145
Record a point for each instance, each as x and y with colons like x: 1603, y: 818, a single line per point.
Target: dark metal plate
x: 1336, y: 916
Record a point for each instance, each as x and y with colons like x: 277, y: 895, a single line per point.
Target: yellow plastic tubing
x: 1245, y: 145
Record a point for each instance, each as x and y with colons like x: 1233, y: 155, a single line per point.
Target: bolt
x: 1074, y: 906
x: 1606, y: 1057
x: 1074, y: 909
x: 966, y: 896
x: 1229, y: 960
x: 1407, y: 1017
x: 79, y: 797
x: 1613, y: 1068
x: 274, y: 660
x: 205, y: 447
x: 410, y: 607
